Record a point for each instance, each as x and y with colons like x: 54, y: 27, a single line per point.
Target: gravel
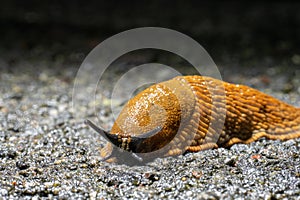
x: 46, y: 152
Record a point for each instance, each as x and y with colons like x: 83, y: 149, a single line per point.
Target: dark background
x: 236, y: 34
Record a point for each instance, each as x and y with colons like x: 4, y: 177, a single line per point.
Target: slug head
x: 122, y: 145
x: 149, y: 122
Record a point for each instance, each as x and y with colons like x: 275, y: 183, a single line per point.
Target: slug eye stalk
x: 130, y: 143
x: 108, y: 136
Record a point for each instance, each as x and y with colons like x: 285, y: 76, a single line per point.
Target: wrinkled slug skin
x: 185, y: 105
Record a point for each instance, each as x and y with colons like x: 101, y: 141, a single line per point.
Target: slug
x: 194, y: 113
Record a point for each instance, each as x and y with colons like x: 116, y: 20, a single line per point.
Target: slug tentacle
x: 185, y: 114
x: 129, y: 143
x: 121, y: 155
x: 109, y: 137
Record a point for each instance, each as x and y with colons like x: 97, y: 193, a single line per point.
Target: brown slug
x: 193, y: 113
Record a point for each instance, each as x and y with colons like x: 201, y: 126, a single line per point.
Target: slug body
x: 193, y: 113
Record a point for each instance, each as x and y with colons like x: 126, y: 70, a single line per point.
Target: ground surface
x: 47, y: 151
